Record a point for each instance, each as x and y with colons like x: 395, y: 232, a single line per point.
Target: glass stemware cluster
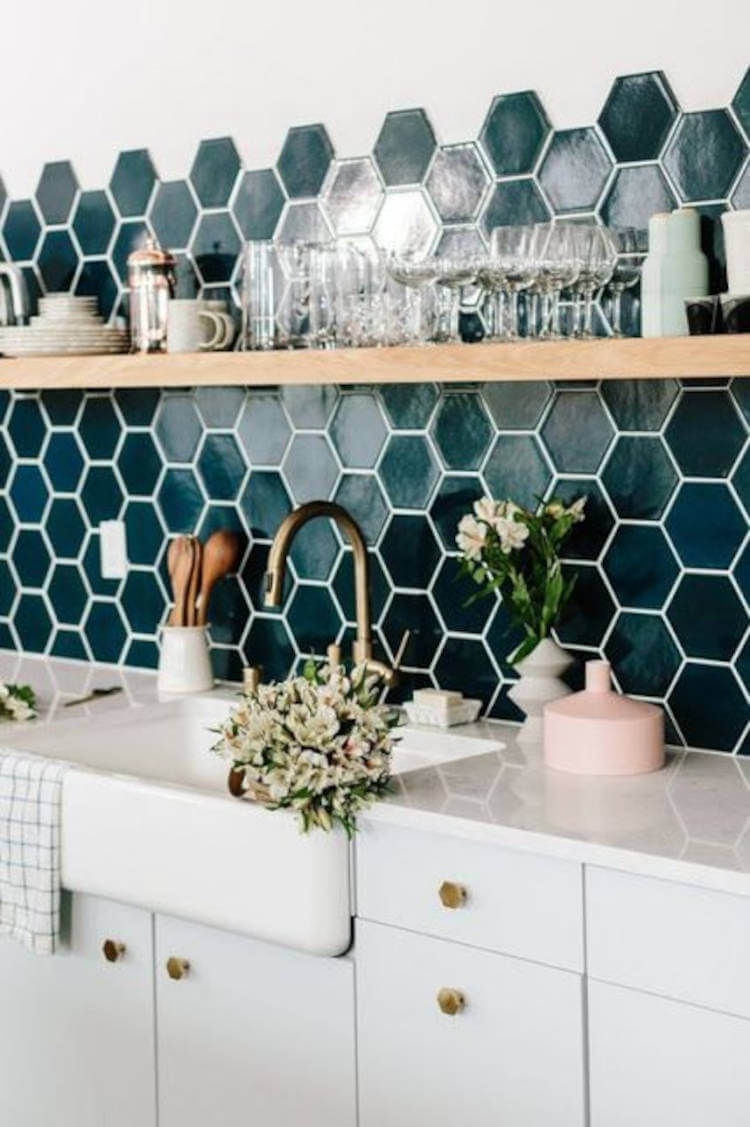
x: 537, y: 281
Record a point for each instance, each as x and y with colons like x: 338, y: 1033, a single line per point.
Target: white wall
x: 86, y: 78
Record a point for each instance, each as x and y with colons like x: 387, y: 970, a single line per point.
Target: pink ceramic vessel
x: 599, y: 732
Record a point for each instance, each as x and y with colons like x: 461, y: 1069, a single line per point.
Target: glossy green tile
x: 310, y: 468
x: 409, y: 406
x: 304, y: 160
x: 410, y: 551
x: 358, y: 430
x: 577, y: 432
x: 264, y: 430
x: 639, y: 404
x: 457, y: 182
x: 214, y: 171
x: 633, y: 636
x: 641, y: 567
x: 514, y: 202
x: 414, y: 613
x: 639, y: 477
x: 516, y: 405
x: 362, y: 496
x: 409, y: 471
x: 257, y: 204
x: 517, y: 470
x: 638, y: 115
x: 704, y: 155
x: 514, y: 132
x: 462, y: 431
x: 705, y: 434
x: 716, y: 632
x: 404, y: 147
x: 575, y: 170
x: 719, y: 726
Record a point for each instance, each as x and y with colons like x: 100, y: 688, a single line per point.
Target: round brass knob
x: 112, y: 950
x: 452, y: 895
x: 450, y: 1001
x: 177, y: 968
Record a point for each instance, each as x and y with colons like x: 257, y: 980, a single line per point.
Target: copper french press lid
x: 150, y: 256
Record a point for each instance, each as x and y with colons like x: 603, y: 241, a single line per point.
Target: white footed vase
x: 539, y: 683
x: 184, y: 662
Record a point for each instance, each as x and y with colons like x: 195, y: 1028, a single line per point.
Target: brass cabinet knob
x: 450, y: 1001
x: 452, y: 895
x: 177, y: 968
x: 112, y: 950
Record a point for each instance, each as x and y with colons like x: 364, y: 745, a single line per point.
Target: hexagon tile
x: 665, y: 467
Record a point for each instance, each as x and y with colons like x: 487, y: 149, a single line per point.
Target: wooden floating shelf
x: 630, y: 358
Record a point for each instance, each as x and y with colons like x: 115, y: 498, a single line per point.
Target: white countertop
x: 689, y: 822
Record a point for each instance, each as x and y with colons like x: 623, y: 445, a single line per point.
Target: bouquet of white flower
x: 515, y: 551
x: 319, y: 744
x: 17, y: 702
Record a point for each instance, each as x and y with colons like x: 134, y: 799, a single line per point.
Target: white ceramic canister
x: 184, y: 662
x: 684, y: 271
x: 676, y: 269
x: 736, y: 226
x: 651, y: 275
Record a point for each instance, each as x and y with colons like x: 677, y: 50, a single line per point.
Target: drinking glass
x: 323, y: 299
x: 294, y: 315
x: 557, y: 268
x: 513, y: 249
x: 596, y: 254
x: 452, y: 274
x: 415, y: 272
x: 260, y: 286
x: 627, y: 242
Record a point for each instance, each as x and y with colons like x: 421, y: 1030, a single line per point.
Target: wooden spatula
x: 221, y: 554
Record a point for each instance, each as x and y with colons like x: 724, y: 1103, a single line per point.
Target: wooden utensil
x: 221, y: 554
x: 183, y: 565
x: 173, y: 556
x: 194, y: 584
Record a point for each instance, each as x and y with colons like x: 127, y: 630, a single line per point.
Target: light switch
x: 113, y: 550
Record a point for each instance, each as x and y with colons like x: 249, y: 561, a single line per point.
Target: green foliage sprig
x: 516, y: 551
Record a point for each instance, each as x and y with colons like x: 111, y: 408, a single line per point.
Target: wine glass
x: 513, y: 249
x: 630, y: 256
x: 452, y: 273
x: 415, y: 272
x: 597, y: 256
x: 557, y: 268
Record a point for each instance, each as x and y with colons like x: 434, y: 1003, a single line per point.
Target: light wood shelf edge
x: 629, y: 358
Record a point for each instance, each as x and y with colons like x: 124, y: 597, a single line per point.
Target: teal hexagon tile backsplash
x: 663, y: 464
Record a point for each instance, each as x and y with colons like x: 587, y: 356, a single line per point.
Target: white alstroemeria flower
x: 512, y: 534
x: 471, y: 537
x: 487, y: 510
x: 576, y: 510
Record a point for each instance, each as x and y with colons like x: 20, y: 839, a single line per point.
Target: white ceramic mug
x: 184, y: 662
x: 215, y: 305
x: 192, y: 327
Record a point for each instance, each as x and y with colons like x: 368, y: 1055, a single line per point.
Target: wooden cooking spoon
x: 221, y: 554
x: 193, y: 586
x: 181, y: 566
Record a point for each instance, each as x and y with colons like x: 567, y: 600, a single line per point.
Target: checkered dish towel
x: 30, y: 800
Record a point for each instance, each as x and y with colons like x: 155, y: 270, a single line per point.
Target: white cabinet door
x: 77, y: 1031
x: 252, y: 1033
x: 655, y: 1062
x: 512, y: 1055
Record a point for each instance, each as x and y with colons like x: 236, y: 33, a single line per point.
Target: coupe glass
x: 597, y: 256
x: 415, y: 272
x: 491, y: 277
x: 627, y: 242
x: 513, y: 249
x: 451, y: 275
x: 294, y: 314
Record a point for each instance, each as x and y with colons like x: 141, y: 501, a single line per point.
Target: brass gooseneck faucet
x: 288, y: 529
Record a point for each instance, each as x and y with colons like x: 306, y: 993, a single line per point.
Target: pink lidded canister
x: 600, y: 732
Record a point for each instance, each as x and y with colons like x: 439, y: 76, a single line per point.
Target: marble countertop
x: 689, y: 822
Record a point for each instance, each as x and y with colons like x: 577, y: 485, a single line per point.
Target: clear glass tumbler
x: 260, y: 284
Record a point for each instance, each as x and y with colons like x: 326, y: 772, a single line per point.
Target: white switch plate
x: 113, y: 550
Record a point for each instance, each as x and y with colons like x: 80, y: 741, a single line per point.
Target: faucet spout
x: 276, y: 570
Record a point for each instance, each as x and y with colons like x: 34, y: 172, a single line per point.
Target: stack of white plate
x: 65, y: 325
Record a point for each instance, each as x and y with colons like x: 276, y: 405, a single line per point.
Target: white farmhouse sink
x: 148, y: 820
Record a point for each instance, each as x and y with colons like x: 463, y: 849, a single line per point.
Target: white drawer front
x: 516, y: 903
x: 671, y: 939
x: 655, y: 1063
x: 512, y: 1055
